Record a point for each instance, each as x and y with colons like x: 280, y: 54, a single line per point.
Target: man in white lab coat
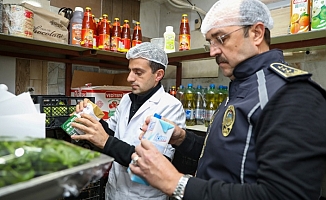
x: 120, y: 134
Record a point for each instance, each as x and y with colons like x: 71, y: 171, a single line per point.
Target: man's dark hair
x: 155, y: 66
x: 267, y: 34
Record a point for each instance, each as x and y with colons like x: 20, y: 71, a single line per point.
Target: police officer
x: 267, y: 140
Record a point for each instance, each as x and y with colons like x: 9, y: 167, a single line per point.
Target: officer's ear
x: 257, y: 32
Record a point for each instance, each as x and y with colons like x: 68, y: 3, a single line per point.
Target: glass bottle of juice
x: 115, y: 35
x: 104, y: 33
x: 184, y: 34
x: 137, y: 35
x: 125, y: 44
x: 87, y: 29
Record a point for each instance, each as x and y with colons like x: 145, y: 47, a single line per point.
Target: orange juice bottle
x: 115, y: 35
x: 87, y: 34
x: 184, y: 34
x: 300, y: 16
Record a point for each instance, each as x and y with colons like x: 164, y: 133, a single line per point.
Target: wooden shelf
x: 42, y: 50
x: 307, y: 41
x: 35, y: 49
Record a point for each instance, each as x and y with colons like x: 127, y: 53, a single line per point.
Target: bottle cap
x: 169, y: 28
x: 157, y: 116
x: 79, y: 9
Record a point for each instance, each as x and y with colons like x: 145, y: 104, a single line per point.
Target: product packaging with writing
x: 159, y: 133
x: 91, y: 109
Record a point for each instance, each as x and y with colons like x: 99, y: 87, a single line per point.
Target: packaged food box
x: 108, y: 89
x: 300, y: 16
x: 318, y: 14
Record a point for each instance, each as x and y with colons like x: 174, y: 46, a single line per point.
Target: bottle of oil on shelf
x: 125, y: 44
x: 137, y: 35
x: 199, y: 118
x: 180, y: 94
x: 104, y: 33
x: 87, y: 34
x: 184, y: 34
x: 211, y: 104
x: 115, y: 35
x: 189, y: 105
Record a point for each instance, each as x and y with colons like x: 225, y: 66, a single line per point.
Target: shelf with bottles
x: 307, y: 41
x: 14, y: 46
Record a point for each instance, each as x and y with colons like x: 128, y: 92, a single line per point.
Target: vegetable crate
x: 94, y: 191
x: 57, y: 108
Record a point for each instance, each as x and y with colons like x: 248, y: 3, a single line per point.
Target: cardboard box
x: 107, y: 89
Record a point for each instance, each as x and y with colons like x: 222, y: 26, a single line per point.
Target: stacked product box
x: 108, y: 89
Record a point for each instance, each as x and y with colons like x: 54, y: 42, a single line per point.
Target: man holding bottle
x: 119, y: 135
x: 267, y: 140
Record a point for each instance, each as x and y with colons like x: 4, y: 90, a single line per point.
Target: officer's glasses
x: 219, y: 40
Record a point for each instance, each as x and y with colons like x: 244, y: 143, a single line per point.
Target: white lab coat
x: 119, y: 185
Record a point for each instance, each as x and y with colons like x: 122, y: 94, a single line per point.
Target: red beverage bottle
x: 87, y: 29
x: 137, y: 35
x: 125, y: 44
x: 115, y: 35
x: 184, y: 35
x: 104, y: 33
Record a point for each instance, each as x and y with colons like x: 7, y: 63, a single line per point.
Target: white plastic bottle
x: 76, y: 23
x: 169, y: 38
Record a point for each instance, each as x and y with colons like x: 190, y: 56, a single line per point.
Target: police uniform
x: 263, y: 137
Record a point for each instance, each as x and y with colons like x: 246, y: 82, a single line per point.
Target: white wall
x: 8, y: 72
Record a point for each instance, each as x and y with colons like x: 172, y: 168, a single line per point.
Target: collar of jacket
x: 257, y: 62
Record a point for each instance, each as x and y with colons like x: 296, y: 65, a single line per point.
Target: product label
x: 135, y: 42
x: 190, y: 114
x: 76, y: 29
x: 115, y: 43
x: 199, y: 113
x: 318, y: 15
x: 169, y: 42
x: 104, y: 42
x: 124, y: 44
x: 209, y: 114
x: 184, y: 42
x: 300, y: 16
x: 87, y: 37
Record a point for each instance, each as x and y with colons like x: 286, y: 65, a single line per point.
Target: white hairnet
x: 149, y: 52
x: 236, y: 13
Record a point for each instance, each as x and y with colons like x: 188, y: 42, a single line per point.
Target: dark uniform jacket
x: 267, y: 140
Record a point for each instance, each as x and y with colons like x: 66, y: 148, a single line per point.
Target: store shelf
x: 42, y: 50
x: 307, y: 41
x: 35, y: 49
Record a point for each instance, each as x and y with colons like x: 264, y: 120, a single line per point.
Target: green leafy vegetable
x: 24, y: 160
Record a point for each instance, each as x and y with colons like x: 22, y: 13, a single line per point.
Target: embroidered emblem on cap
x: 228, y: 121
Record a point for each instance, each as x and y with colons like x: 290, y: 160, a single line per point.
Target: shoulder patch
x: 289, y: 73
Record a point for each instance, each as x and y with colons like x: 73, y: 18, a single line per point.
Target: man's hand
x: 93, y: 130
x: 178, y: 134
x: 155, y: 168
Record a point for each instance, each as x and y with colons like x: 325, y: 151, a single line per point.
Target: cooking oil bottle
x: 189, y: 105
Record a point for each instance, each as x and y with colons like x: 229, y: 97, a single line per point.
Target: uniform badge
x: 228, y: 121
x: 289, y: 73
